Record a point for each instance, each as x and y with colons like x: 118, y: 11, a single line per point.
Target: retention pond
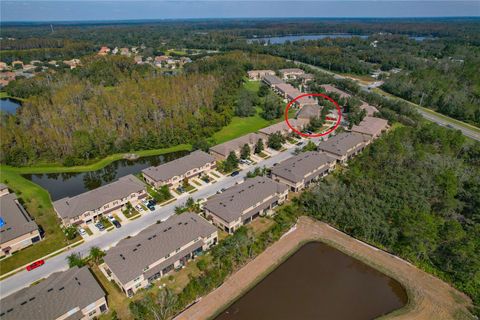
x: 319, y: 282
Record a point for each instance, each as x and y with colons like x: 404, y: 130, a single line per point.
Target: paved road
x: 109, y: 239
x: 444, y: 122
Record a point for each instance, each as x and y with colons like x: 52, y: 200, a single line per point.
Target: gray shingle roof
x: 230, y: 204
x: 16, y: 220
x: 330, y: 88
x: 130, y: 256
x: 235, y: 144
x: 272, y: 79
x: 179, y: 166
x: 94, y: 199
x: 292, y: 70
x: 343, y: 142
x: 53, y: 297
x: 282, y: 126
x: 309, y: 111
x: 296, y: 168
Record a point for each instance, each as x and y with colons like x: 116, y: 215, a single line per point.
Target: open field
x: 429, y: 297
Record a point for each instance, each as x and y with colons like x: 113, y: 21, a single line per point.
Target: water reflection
x: 69, y: 184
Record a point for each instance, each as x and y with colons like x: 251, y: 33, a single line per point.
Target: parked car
x: 139, y: 207
x: 180, y: 189
x: 234, y: 173
x: 299, y: 143
x: 35, y: 265
x: 145, y: 202
x: 82, y: 231
x: 116, y: 224
x: 152, y: 202
x: 110, y: 217
x: 100, y: 226
x: 151, y: 207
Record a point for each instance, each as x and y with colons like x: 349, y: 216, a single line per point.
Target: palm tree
x: 96, y: 254
x: 75, y: 260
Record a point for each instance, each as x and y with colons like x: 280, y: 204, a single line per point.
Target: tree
x: 245, y: 152
x: 70, y: 232
x: 201, y: 144
x: 276, y: 141
x: 83, y: 146
x: 75, y: 260
x: 245, y: 106
x: 259, y: 146
x: 96, y: 254
x: 310, y: 146
x: 185, y: 183
x: 231, y: 161
x: 272, y: 107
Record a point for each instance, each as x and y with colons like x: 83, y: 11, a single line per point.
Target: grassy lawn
x: 260, y: 225
x: 88, y: 231
x: 37, y: 202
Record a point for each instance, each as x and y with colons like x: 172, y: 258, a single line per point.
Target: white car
x: 82, y: 231
x: 110, y: 217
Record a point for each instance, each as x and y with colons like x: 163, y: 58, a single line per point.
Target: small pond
x: 9, y: 105
x: 319, y: 282
x: 61, y: 185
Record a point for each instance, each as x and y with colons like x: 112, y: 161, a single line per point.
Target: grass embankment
x: 37, y: 202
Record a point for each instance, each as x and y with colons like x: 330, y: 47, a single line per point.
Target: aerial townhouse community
x: 69, y: 295
x: 17, y: 228
x: 136, y: 261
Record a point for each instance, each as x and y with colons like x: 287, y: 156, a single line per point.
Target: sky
x: 94, y: 10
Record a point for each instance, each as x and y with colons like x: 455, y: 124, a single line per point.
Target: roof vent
x: 61, y: 288
x: 51, y: 289
x: 24, y: 302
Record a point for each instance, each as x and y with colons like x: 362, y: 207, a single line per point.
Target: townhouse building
x: 283, y: 128
x: 17, y: 228
x: 221, y: 151
x: 259, y: 74
x: 371, y: 126
x: 291, y: 73
x: 330, y: 88
x: 68, y: 295
x: 344, y: 146
x: 301, y: 170
x: 89, y: 206
x: 271, y: 80
x: 174, y: 172
x: 135, y: 262
x: 244, y: 202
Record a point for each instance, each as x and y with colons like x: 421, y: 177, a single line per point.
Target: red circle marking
x: 313, y: 95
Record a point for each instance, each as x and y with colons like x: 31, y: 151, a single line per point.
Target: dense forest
x: 415, y: 192
x: 112, y: 105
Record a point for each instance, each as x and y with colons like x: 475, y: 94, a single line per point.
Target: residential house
x: 103, y: 51
x: 89, y: 206
x: 138, y: 59
x: 125, y: 52
x: 292, y: 73
x: 137, y: 261
x: 221, y: 151
x: 309, y: 111
x: 17, y: 64
x: 301, y: 170
x: 344, y: 146
x: 306, y: 77
x: 174, y: 172
x: 371, y: 126
x: 115, y: 50
x: 371, y: 110
x: 244, y: 202
x: 3, y: 66
x: 67, y: 295
x: 160, y: 60
x: 259, y: 74
x: 72, y: 63
x: 17, y: 228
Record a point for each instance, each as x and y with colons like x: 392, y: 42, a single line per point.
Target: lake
x: 319, y: 282
x: 9, y: 105
x: 61, y: 185
x: 283, y: 39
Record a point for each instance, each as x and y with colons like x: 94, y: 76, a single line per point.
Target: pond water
x: 283, y: 39
x: 61, y: 185
x: 9, y: 105
x: 319, y: 282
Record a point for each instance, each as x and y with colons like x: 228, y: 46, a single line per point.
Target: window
x: 92, y: 313
x: 103, y: 308
x: 136, y: 279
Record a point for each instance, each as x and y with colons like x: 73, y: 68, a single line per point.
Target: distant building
x: 371, y: 126
x: 221, y: 151
x: 115, y: 50
x: 89, y: 206
x: 344, y: 146
x: 292, y: 73
x: 72, y: 63
x: 68, y: 295
x: 17, y: 64
x: 17, y: 228
x: 244, y: 202
x: 103, y: 51
x: 301, y: 170
x: 174, y: 172
x: 3, y: 66
x: 138, y: 59
x: 125, y: 52
x: 259, y: 74
x: 271, y: 80
x: 137, y: 261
